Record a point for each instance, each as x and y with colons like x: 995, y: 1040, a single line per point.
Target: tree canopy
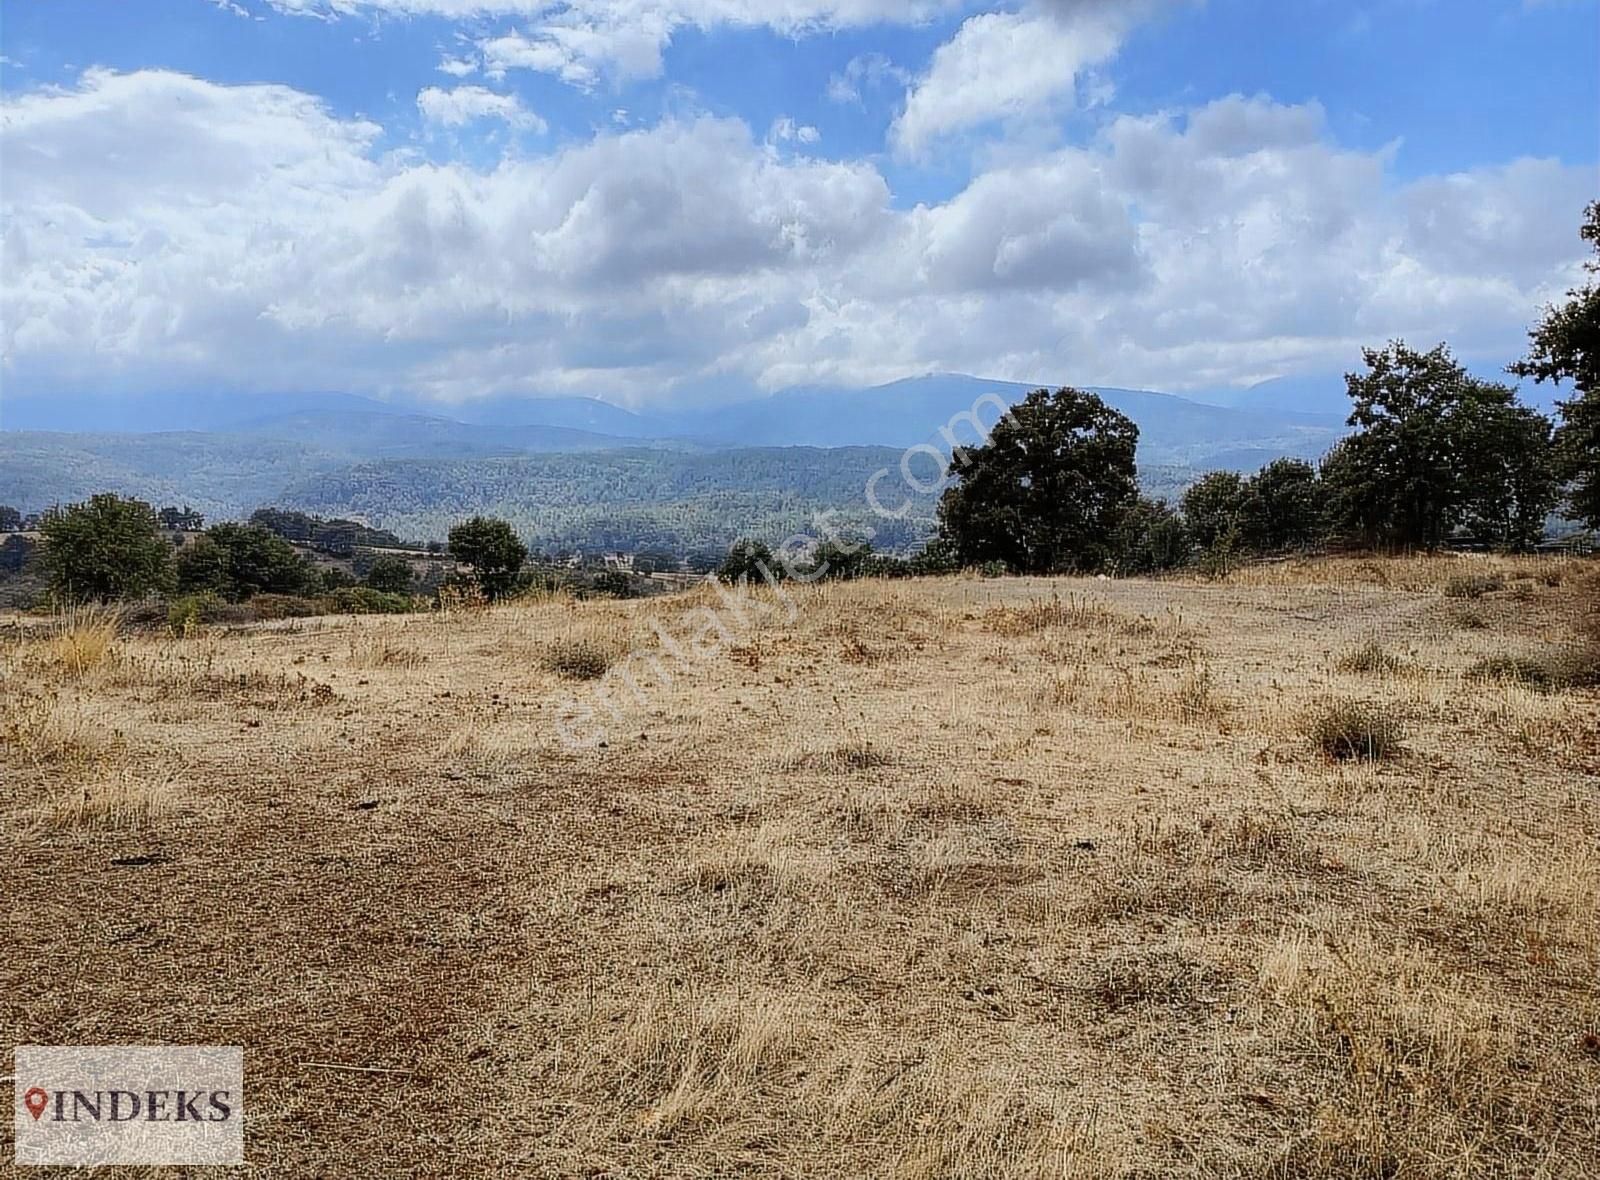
x: 105, y: 549
x: 1048, y: 489
x: 236, y: 561
x: 493, y: 551
x: 1565, y: 346
x: 1434, y: 448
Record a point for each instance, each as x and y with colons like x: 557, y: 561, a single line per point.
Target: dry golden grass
x: 954, y: 878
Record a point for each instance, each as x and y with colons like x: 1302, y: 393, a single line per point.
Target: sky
x: 674, y: 201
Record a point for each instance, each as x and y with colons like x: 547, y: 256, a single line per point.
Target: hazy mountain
x: 1325, y: 394
x: 687, y: 478
x: 371, y: 435
x: 904, y: 413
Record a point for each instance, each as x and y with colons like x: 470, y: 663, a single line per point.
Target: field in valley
x: 945, y: 878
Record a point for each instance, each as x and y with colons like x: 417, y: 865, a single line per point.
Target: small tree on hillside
x: 1049, y: 488
x: 1282, y: 507
x: 1212, y: 505
x: 390, y: 574
x: 750, y: 562
x: 10, y: 519
x: 1152, y: 538
x: 237, y: 561
x: 1566, y: 347
x: 492, y: 549
x: 105, y: 549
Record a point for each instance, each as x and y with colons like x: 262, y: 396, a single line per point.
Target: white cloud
x: 583, y: 41
x: 786, y: 130
x: 1011, y: 65
x: 458, y: 67
x: 467, y: 104
x: 868, y: 71
x: 167, y: 232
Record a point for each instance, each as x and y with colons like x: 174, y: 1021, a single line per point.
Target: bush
x: 751, y: 562
x: 106, y: 549
x: 189, y: 611
x: 578, y: 658
x: 1356, y: 731
x: 1473, y: 585
x: 363, y: 600
x: 390, y: 574
x: 283, y: 606
x: 1573, y: 667
x: 616, y: 584
x: 1370, y: 659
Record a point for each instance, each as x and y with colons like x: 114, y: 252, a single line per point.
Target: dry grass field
x: 956, y: 878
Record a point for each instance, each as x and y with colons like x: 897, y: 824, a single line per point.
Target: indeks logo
x: 122, y: 1106
x: 86, y: 1105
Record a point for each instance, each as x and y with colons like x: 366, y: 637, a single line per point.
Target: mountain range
x: 560, y: 466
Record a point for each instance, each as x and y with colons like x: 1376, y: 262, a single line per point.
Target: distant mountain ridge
x: 900, y: 414
x: 569, y: 469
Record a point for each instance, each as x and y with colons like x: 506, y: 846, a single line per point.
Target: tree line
x: 1435, y: 454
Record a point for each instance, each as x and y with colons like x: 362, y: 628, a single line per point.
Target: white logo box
x: 82, y: 1105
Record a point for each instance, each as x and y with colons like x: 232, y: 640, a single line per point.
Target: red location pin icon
x: 35, y: 1100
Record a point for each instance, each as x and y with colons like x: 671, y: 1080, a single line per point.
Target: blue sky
x: 653, y: 199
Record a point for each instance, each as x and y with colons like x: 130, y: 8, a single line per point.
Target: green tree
x: 236, y: 561
x: 1511, y: 486
x: 752, y: 562
x: 1152, y: 538
x: 1426, y: 450
x: 1048, y: 489
x: 841, y: 561
x: 1212, y: 505
x: 493, y: 551
x: 105, y: 549
x: 10, y: 519
x: 390, y: 574
x: 1282, y: 507
x: 1565, y: 346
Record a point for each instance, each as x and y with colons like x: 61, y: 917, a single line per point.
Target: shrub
x: 390, y: 574
x: 752, y: 563
x: 578, y: 658
x: 616, y: 584
x: 1370, y: 659
x: 1473, y: 585
x: 105, y: 549
x: 186, y: 613
x: 1356, y: 731
x: 84, y: 638
x: 283, y: 606
x: 363, y: 600
x: 1573, y: 667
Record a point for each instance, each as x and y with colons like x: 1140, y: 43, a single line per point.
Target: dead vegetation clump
x: 1370, y: 659
x: 379, y: 651
x: 579, y: 657
x: 124, y: 799
x: 1075, y: 613
x: 1558, y: 671
x: 1356, y: 731
x: 1473, y: 585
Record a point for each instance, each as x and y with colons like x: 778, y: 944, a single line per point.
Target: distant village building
x: 619, y: 561
x: 182, y: 520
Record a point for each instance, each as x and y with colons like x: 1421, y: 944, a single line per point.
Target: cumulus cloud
x: 168, y: 232
x: 1011, y: 65
x: 467, y: 104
